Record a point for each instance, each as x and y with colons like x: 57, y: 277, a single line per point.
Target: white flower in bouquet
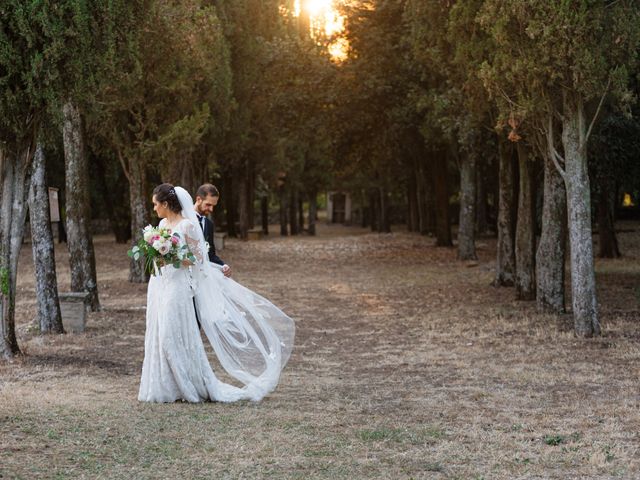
x: 164, y: 248
x: 148, y: 232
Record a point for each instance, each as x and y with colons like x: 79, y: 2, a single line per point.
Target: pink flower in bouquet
x: 174, y: 240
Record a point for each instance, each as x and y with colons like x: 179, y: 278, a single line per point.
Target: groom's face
x: 205, y: 206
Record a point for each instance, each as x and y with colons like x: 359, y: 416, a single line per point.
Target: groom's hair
x: 207, y: 189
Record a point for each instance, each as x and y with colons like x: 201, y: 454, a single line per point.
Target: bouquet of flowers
x: 159, y: 246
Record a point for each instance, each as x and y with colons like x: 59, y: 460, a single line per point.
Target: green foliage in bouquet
x: 159, y: 247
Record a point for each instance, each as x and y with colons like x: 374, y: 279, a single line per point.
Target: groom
x: 207, y: 198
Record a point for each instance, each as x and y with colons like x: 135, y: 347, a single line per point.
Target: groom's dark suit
x: 208, y: 228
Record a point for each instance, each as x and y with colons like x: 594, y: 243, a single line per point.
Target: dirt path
x: 407, y: 365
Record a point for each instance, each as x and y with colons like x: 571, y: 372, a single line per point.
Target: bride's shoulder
x: 186, y: 224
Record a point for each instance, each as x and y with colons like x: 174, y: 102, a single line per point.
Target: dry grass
x: 407, y: 365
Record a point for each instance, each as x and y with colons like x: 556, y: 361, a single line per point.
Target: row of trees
x: 477, y: 100
x: 116, y: 96
x: 507, y: 97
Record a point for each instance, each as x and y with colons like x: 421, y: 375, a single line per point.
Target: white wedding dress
x: 251, y: 338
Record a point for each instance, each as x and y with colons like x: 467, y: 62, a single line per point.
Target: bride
x: 251, y: 337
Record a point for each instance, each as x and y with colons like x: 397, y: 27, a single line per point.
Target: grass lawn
x: 407, y: 364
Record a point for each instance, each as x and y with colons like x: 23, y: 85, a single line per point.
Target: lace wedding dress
x: 251, y: 337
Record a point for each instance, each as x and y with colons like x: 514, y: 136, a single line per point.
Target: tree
x: 614, y: 165
x: 30, y: 58
x: 49, y: 318
x: 507, y: 207
x: 565, y: 56
x: 82, y: 260
x: 448, y: 50
x: 157, y: 107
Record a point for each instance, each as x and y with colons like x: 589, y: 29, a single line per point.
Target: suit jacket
x: 208, y: 230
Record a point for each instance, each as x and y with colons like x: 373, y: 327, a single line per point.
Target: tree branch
x: 124, y: 166
x: 595, y: 116
x: 556, y: 158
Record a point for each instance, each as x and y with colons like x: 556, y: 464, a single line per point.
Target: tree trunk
x: 467, y: 227
x: 113, y: 194
x: 606, y: 226
x: 79, y: 241
x: 525, y: 229
x: 428, y: 216
x: 364, y: 220
x: 301, y: 214
x: 413, y: 216
x: 16, y: 181
x: 139, y: 214
x: 283, y: 212
x: 243, y: 203
x: 374, y: 200
x: 264, y: 214
x: 294, y: 228
x: 385, y: 222
x: 251, y: 194
x: 230, y: 203
x: 583, y: 281
x: 441, y: 190
x: 44, y: 261
x: 551, y: 249
x: 313, y: 211
x: 506, y: 260
x: 481, y: 202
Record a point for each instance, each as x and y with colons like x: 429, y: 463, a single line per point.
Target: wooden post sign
x: 54, y: 208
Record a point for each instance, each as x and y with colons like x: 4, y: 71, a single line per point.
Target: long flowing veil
x: 251, y: 337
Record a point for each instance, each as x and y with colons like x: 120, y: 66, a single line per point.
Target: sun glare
x: 324, y: 21
x: 317, y: 7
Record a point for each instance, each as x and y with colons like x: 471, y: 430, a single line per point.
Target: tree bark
x: 374, y: 200
x: 313, y: 211
x: 385, y: 221
x: 481, y: 201
x: 13, y: 210
x: 139, y: 214
x: 467, y: 227
x: 583, y: 281
x: 79, y: 241
x: 251, y: 193
x: 441, y: 190
x: 114, y: 194
x: 243, y: 203
x: 294, y: 228
x: 264, y: 214
x: 525, y: 228
x: 550, y: 256
x: 230, y: 203
x: 301, y: 214
x: 44, y: 261
x: 428, y: 216
x: 283, y: 211
x: 413, y: 216
x: 606, y: 225
x: 506, y: 260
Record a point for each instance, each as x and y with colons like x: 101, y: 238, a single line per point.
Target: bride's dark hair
x: 165, y: 192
